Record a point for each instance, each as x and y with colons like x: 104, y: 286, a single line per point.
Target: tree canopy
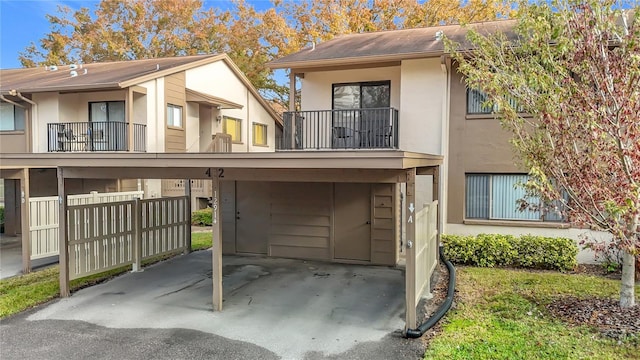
x: 138, y: 29
x: 566, y: 84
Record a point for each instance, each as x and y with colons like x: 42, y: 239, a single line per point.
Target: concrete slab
x: 292, y: 308
x: 10, y: 256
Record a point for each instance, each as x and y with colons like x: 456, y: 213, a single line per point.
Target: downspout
x: 444, y: 307
x: 34, y: 114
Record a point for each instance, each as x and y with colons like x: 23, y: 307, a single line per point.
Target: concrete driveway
x: 273, y: 308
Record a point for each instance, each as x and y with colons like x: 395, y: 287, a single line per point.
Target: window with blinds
x: 478, y: 103
x: 233, y: 127
x: 259, y: 134
x: 495, y: 197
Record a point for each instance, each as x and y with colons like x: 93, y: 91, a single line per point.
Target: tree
x: 138, y: 29
x: 574, y: 67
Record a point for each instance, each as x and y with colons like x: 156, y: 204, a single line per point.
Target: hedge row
x: 202, y: 217
x: 527, y: 251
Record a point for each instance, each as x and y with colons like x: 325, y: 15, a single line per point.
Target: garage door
x: 301, y: 220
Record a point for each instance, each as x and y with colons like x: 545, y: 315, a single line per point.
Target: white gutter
x: 11, y: 102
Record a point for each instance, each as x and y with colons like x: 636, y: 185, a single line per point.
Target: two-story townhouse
x: 336, y: 201
x: 197, y: 103
x: 401, y: 86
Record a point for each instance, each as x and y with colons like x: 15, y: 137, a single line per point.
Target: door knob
x: 368, y: 222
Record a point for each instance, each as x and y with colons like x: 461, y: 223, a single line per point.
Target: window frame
x: 491, y: 111
x: 238, y: 127
x: 170, y: 110
x: 544, y: 217
x: 107, y: 112
x: 264, y: 127
x: 360, y: 84
x: 24, y: 118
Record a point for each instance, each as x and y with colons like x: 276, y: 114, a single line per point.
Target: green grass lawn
x: 23, y: 292
x: 501, y: 314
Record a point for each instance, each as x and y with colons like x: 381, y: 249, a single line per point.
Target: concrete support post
x: 216, y: 250
x: 187, y: 192
x: 410, y: 271
x: 62, y: 235
x: 24, y: 222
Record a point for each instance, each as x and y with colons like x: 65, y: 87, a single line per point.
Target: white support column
x: 216, y: 249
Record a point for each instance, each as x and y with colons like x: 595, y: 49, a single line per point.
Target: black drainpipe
x: 444, y: 307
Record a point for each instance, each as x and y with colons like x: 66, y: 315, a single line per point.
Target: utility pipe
x: 444, y: 307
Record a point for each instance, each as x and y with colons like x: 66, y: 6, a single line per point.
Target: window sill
x: 237, y: 143
x: 11, y: 132
x: 261, y: 145
x: 175, y: 127
x: 516, y: 223
x: 490, y: 116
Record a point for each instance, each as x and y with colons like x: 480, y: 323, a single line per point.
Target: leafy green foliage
x: 1, y: 214
x: 501, y: 314
x: 203, y: 217
x: 528, y: 251
x: 573, y: 67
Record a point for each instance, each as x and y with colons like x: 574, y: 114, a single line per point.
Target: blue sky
x: 24, y: 21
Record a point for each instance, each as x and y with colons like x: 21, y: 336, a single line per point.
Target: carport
x: 339, y: 167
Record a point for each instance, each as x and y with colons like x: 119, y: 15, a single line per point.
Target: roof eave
x: 352, y: 60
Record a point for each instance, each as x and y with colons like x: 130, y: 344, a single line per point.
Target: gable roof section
x: 114, y: 75
x: 384, y: 46
x: 103, y: 75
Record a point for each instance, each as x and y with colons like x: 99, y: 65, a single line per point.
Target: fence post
x: 94, y: 197
x: 137, y: 235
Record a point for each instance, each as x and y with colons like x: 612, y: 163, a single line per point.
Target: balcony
x: 95, y: 136
x: 340, y: 129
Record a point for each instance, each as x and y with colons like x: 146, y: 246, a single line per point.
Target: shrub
x: 527, y: 251
x: 202, y: 217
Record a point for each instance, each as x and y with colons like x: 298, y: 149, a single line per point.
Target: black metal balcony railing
x: 340, y: 129
x: 95, y: 136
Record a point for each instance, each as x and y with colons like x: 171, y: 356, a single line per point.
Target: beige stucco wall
x: 192, y: 127
x: 316, y: 90
x: 422, y: 93
x: 217, y: 79
x: 47, y: 112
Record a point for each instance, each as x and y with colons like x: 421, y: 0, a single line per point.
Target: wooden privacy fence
x: 43, y: 218
x: 110, y: 235
x: 426, y: 247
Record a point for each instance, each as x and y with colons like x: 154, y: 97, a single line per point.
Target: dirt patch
x: 197, y: 229
x: 429, y: 307
x: 604, y: 314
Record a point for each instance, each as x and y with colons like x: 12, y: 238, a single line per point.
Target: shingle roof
x: 384, y: 46
x: 104, y: 75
